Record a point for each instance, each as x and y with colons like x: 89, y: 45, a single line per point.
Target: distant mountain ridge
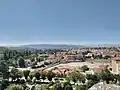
x: 58, y: 46
x: 51, y: 46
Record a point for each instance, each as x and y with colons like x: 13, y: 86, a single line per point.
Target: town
x: 60, y: 69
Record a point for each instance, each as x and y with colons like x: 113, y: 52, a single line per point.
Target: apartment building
x: 116, y: 65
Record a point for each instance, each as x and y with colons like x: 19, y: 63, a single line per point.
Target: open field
x: 74, y: 65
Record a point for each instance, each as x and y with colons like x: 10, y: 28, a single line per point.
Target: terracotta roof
x: 97, y: 70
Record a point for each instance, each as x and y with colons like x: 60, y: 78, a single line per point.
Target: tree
x: 37, y: 75
x: 15, y: 74
x: 89, y: 84
x: 21, y: 63
x: 80, y: 87
x: 50, y: 75
x: 95, y: 78
x: 76, y: 76
x: 118, y: 78
x: 4, y: 84
x: 14, y: 87
x: 32, y: 60
x: 3, y: 68
x: 26, y: 73
x: 43, y: 75
x: 42, y: 87
x: 106, y: 75
x: 31, y: 75
x: 84, y: 68
x: 57, y: 86
x: 67, y: 86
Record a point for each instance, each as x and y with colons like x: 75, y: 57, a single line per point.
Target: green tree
x: 4, y: 84
x: 89, y: 84
x: 26, y: 73
x: 14, y: 87
x: 21, y: 63
x: 37, y: 75
x: 31, y: 75
x: 57, y: 86
x: 118, y: 78
x: 95, y: 77
x: 67, y: 86
x: 50, y: 75
x: 106, y: 75
x: 84, y: 68
x: 15, y: 74
x: 4, y: 68
x: 42, y: 87
x: 43, y: 75
x: 76, y: 76
x: 80, y: 87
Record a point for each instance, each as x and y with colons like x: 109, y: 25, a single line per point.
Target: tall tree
x: 106, y: 75
x: 43, y: 75
x: 26, y: 73
x: 50, y: 75
x: 3, y: 67
x: 37, y: 75
x: 21, y: 62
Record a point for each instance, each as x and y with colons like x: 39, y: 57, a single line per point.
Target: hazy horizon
x: 56, y: 43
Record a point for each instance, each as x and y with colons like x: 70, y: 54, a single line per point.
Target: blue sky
x: 59, y: 21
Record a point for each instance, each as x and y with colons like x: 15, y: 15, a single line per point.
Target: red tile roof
x: 96, y: 70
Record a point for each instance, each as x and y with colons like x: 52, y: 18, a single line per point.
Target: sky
x: 60, y: 21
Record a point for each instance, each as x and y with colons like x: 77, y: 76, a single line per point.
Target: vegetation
x: 15, y: 87
x: 26, y: 74
x: 84, y: 68
x: 50, y: 75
